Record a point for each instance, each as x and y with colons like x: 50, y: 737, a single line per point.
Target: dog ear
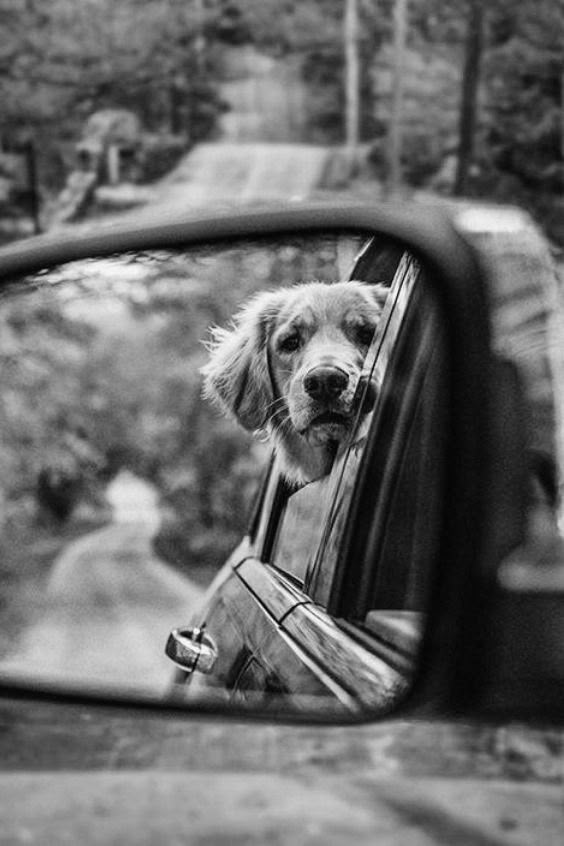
x: 237, y: 375
x: 379, y: 293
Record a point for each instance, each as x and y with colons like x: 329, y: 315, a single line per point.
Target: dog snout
x: 325, y: 382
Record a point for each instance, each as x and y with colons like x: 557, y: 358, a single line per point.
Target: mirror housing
x: 473, y: 659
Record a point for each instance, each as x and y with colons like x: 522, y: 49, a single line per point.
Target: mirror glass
x: 141, y: 397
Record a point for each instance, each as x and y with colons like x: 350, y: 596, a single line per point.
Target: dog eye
x: 289, y: 344
x: 364, y: 335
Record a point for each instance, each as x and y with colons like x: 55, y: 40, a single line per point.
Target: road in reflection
x: 109, y: 603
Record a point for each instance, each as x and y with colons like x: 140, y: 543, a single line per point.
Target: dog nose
x: 325, y: 382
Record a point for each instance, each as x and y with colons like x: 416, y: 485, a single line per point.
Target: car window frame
x: 358, y: 546
x: 381, y: 357
x: 413, y: 434
x: 278, y: 490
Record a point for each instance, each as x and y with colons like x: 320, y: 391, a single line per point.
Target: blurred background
x: 102, y: 101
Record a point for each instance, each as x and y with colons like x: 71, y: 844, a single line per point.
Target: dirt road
x: 109, y: 604
x: 245, y: 172
x: 227, y: 176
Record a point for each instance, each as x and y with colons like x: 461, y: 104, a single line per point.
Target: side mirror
x: 339, y: 527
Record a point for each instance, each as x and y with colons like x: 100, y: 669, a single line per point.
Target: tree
x: 511, y: 101
x: 336, y: 41
x: 352, y: 82
x: 525, y: 95
x: 393, y: 176
x: 473, y: 49
x: 61, y: 60
x: 41, y: 414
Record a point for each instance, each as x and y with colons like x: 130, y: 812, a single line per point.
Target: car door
x: 369, y: 578
x: 257, y: 662
x: 324, y: 598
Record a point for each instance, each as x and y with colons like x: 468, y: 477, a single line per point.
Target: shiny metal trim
x: 191, y: 649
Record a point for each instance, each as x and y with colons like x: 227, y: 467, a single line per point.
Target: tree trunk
x: 394, y: 141
x: 352, y: 74
x: 562, y: 111
x: 469, y: 101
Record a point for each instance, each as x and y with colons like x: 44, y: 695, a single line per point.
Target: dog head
x: 291, y: 365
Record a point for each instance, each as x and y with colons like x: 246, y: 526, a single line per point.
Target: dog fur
x: 290, y: 365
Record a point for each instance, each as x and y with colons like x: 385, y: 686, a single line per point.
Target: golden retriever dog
x: 291, y: 364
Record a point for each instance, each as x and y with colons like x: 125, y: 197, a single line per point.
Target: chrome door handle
x: 191, y: 649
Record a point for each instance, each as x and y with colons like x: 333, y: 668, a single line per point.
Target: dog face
x: 316, y: 349
x: 291, y: 365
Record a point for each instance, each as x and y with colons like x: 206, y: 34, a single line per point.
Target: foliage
x: 314, y: 31
x: 61, y: 60
x: 67, y: 58
x: 525, y: 72
x: 100, y: 362
x: 518, y: 148
x: 40, y: 357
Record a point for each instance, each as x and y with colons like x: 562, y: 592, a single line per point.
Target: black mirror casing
x: 459, y: 656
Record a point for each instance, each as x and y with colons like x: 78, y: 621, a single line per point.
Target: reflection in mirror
x: 125, y: 492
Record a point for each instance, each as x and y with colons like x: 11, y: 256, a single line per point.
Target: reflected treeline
x: 100, y: 372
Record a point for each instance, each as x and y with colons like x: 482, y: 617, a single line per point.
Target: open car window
x: 391, y: 471
x: 300, y: 529
x: 309, y: 522
x: 402, y: 548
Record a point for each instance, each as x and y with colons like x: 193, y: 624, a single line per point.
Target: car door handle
x: 191, y: 649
